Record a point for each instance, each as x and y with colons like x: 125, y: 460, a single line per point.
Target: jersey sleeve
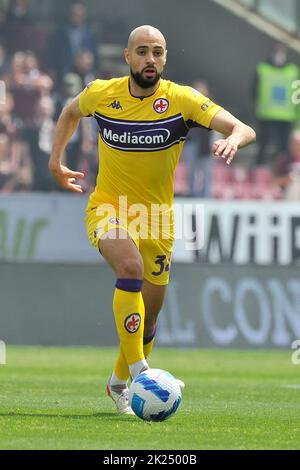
x: 197, y: 108
x: 91, y: 97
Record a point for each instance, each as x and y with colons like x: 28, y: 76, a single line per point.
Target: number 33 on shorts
x: 163, y: 264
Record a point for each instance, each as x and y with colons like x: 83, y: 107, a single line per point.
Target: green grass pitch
x: 54, y: 398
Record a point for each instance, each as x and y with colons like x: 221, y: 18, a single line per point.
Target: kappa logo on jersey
x: 132, y: 322
x: 161, y: 105
x: 115, y: 105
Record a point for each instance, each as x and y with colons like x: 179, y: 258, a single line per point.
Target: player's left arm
x: 236, y: 133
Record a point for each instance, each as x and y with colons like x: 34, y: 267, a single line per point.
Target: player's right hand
x: 66, y: 178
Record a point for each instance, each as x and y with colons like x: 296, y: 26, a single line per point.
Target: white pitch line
x: 293, y: 386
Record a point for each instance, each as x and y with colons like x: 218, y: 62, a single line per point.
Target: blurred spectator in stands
x: 35, y: 78
x: 40, y: 138
x: 19, y: 26
x: 84, y: 66
x: 73, y: 35
x: 275, y: 110
x: 17, y: 71
x: 27, y: 84
x: 4, y: 65
x: 197, y: 154
x: 15, y: 168
x: 288, y: 169
x: 9, y: 124
x: 82, y: 150
x: 71, y: 86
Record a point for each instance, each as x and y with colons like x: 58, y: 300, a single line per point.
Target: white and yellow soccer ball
x: 154, y: 395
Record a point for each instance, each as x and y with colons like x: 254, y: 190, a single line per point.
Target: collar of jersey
x: 142, y: 98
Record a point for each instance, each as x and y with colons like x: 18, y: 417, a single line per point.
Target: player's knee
x: 131, y: 268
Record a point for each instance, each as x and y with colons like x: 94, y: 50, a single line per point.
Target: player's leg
x: 153, y: 296
x: 157, y: 259
x: 123, y: 256
x: 128, y: 305
x: 157, y: 264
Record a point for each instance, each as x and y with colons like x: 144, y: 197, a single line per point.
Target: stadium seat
x: 262, y: 175
x: 222, y: 181
x: 263, y: 183
x: 242, y: 186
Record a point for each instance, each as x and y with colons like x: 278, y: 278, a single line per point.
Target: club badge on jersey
x: 161, y: 105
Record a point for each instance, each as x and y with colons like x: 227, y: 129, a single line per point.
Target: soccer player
x: 143, y: 122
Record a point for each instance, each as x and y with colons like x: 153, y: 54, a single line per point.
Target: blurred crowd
x: 43, y: 70
x: 273, y: 170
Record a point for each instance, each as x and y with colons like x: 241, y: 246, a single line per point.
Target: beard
x: 144, y: 82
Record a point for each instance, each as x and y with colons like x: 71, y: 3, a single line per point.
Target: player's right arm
x: 66, y: 126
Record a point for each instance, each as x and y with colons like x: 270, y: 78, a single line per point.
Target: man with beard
x: 143, y: 122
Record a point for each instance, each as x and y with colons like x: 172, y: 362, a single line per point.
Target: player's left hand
x: 66, y: 178
x: 226, y: 148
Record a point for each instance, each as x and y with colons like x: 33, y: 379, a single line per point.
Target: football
x: 154, y: 395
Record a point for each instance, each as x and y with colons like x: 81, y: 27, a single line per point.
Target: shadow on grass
x: 101, y: 416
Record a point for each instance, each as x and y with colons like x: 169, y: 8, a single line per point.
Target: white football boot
x: 120, y: 395
x: 181, y: 384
